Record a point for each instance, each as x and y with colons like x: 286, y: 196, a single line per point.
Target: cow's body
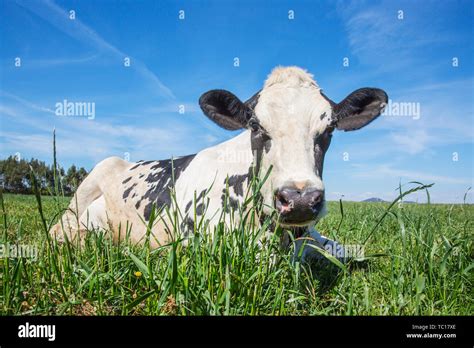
x: 294, y: 123
x: 122, y: 194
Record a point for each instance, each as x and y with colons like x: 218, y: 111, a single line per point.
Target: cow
x: 287, y: 129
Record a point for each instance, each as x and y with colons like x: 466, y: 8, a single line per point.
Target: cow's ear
x: 359, y: 108
x: 225, y: 109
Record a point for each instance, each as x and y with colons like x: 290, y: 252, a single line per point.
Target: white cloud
x: 376, y: 33
x: 59, y: 18
x: 26, y: 103
x: 80, y: 140
x: 413, y: 141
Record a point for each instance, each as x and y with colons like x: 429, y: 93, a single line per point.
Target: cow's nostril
x: 316, y: 199
x: 281, y: 198
x: 283, y: 201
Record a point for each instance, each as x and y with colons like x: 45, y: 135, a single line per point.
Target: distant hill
x: 380, y: 200
x: 374, y: 199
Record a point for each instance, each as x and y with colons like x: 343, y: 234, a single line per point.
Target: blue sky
x: 174, y: 61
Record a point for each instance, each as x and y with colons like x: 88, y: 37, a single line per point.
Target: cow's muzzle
x: 298, y: 207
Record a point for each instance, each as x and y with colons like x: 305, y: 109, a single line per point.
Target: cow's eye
x: 322, y: 141
x: 254, y: 126
x: 258, y: 130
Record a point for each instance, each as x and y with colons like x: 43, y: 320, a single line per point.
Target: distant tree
x: 15, y: 176
x: 82, y: 173
x: 71, y: 179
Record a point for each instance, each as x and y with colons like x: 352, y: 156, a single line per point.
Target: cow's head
x: 291, y: 123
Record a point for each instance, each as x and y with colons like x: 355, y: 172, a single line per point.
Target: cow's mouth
x: 297, y: 217
x: 291, y: 223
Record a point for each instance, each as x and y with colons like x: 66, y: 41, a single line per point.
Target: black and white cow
x: 288, y: 127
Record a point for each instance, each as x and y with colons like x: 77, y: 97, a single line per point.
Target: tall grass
x: 427, y: 267
x: 418, y: 260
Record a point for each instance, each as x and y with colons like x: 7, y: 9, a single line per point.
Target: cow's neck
x: 235, y: 154
x: 235, y: 158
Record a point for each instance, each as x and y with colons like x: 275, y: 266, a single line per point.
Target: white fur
x: 291, y: 76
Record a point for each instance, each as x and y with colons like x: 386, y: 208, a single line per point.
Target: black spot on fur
x: 158, y: 165
x: 267, y: 146
x: 200, y: 208
x: 187, y: 226
x: 126, y: 180
x: 228, y: 202
x: 323, y: 115
x: 321, y: 145
x: 234, y: 204
x: 161, y: 180
x: 188, y: 206
x: 259, y: 141
x: 126, y: 193
x: 237, y: 183
x: 198, y: 198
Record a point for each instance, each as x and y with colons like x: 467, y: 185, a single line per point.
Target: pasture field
x: 418, y: 260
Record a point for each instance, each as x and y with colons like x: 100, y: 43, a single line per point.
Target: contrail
x: 59, y: 18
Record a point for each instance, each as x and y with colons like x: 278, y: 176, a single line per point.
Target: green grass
x: 422, y: 264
